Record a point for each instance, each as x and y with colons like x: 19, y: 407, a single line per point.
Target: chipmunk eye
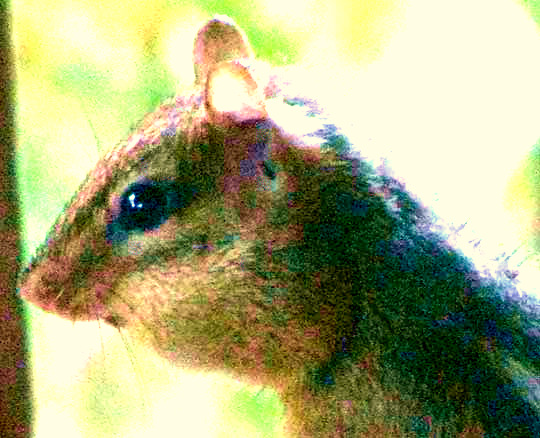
x: 144, y: 206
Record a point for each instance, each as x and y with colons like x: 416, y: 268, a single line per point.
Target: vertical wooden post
x: 15, y: 397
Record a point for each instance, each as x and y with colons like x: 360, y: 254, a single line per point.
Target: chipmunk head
x: 190, y: 229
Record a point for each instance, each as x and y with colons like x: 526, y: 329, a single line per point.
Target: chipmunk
x: 281, y: 256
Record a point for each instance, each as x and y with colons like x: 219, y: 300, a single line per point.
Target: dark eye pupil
x: 144, y: 206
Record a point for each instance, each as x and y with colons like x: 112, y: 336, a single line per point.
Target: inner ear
x: 218, y: 41
x: 233, y: 94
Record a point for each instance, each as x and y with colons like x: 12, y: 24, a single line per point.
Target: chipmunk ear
x: 219, y: 40
x: 221, y: 57
x: 232, y: 94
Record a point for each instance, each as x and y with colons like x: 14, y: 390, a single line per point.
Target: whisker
x: 138, y: 374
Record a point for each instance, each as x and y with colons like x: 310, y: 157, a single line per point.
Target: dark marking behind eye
x: 269, y: 169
